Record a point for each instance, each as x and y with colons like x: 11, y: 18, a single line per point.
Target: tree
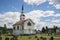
x: 47, y: 29
x: 43, y: 30
x: 55, y: 27
x: 4, y: 29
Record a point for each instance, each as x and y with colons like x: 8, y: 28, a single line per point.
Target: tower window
x: 29, y: 24
x: 17, y: 27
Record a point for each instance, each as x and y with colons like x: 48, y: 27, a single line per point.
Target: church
x: 24, y: 26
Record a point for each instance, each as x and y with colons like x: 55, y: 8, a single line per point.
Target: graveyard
x: 29, y: 19
x: 6, y: 35
x: 33, y: 37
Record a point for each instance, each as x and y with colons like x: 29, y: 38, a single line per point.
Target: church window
x: 22, y: 27
x: 17, y: 27
x: 14, y: 28
x: 29, y: 24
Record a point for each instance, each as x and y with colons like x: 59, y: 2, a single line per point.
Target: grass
x: 56, y: 37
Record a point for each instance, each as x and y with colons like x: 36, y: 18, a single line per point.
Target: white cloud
x: 57, y: 6
x: 56, y: 21
x: 37, y: 14
x: 56, y: 3
x: 57, y: 15
x: 10, y: 18
x: 35, y: 2
x: 48, y: 13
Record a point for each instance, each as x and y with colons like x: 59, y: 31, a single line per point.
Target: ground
x: 56, y: 37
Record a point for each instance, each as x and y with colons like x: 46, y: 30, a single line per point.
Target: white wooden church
x: 23, y: 26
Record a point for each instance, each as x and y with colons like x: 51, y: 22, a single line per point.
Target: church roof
x: 20, y: 22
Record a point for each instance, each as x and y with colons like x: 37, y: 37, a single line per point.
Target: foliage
x: 46, y: 29
x: 43, y: 30
x: 55, y: 27
x: 4, y: 29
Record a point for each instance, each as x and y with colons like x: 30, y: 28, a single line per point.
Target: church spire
x: 22, y: 8
x: 22, y: 16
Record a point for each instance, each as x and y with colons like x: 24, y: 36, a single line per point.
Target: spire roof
x: 22, y: 8
x: 22, y: 11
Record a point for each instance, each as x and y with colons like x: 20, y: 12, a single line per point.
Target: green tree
x: 43, y: 30
x: 4, y: 29
x: 46, y: 29
x: 55, y: 27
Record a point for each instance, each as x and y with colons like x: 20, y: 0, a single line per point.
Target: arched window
x: 14, y: 28
x: 17, y: 27
x: 29, y: 24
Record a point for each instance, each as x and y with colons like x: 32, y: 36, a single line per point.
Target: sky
x: 42, y: 12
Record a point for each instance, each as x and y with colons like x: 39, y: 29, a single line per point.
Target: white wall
x: 26, y: 28
x: 16, y: 31
x: 58, y: 31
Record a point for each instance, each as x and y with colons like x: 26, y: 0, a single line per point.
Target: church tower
x: 22, y: 16
x: 23, y: 26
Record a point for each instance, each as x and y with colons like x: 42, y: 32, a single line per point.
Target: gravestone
x: 42, y: 38
x: 14, y: 38
x: 0, y: 38
x: 6, y: 38
x: 36, y: 37
x: 30, y: 37
x: 52, y: 38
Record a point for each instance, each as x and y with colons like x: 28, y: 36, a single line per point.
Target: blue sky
x: 45, y: 12
x: 15, y: 5
x: 10, y: 5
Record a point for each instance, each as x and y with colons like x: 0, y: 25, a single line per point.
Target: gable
x: 29, y: 22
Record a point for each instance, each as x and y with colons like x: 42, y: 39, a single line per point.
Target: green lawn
x: 56, y: 37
